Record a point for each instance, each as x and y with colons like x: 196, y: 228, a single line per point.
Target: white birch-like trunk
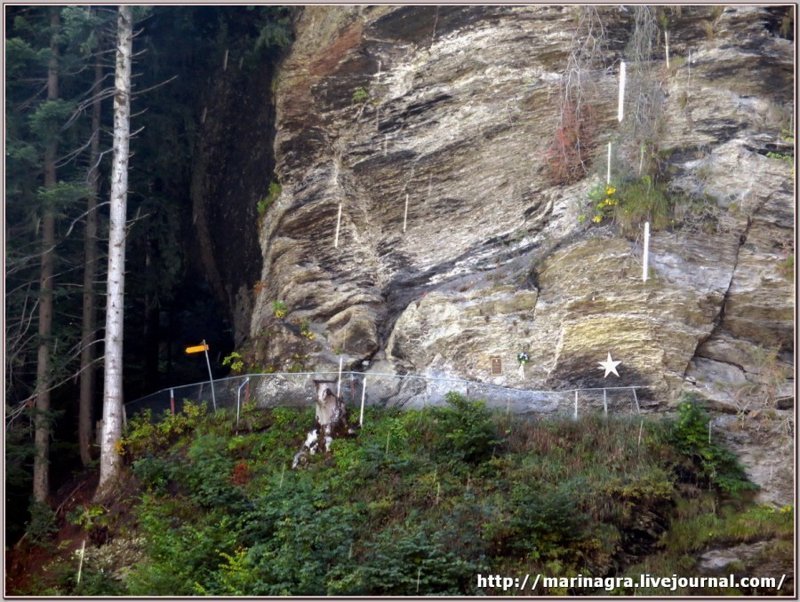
x: 110, y: 460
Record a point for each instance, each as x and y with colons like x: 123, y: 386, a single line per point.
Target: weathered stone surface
x: 461, y: 103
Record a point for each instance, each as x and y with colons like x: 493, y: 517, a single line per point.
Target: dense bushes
x: 418, y: 504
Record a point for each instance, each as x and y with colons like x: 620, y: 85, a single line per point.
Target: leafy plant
x: 42, y: 523
x: 714, y: 464
x: 265, y: 202
x: 279, y: 309
x: 360, y: 95
x: 466, y: 429
x: 234, y: 360
x: 639, y: 201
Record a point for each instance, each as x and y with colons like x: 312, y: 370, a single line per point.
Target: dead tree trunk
x: 330, y: 422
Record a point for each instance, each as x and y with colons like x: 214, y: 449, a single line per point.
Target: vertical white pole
x: 605, y: 403
x: 210, y: 377
x: 646, y: 251
x: 405, y: 215
x: 575, y: 414
x: 338, y: 225
x: 80, y: 564
x: 608, y: 167
x: 363, y: 397
x: 641, y: 428
x: 666, y: 46
x: 339, y: 379
x: 620, y: 110
x: 636, y: 401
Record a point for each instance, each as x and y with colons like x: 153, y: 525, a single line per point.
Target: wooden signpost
x: 203, y: 348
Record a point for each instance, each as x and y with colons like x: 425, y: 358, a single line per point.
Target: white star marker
x: 609, y: 366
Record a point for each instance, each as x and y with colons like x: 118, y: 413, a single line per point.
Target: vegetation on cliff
x: 419, y: 502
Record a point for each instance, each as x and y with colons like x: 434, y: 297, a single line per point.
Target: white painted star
x: 609, y: 366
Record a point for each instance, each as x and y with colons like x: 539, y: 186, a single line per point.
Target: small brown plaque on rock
x: 497, y: 365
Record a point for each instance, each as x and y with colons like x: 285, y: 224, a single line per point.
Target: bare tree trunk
x: 41, y: 473
x: 110, y: 460
x: 89, y: 273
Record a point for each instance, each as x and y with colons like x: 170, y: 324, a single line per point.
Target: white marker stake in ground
x: 620, y: 110
x: 405, y: 215
x: 666, y: 46
x: 338, y: 225
x: 608, y: 168
x: 646, y: 251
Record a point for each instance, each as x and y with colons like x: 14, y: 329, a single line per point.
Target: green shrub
x: 713, y: 464
x: 406, y: 561
x: 360, y: 95
x: 640, y: 201
x: 465, y: 429
x: 42, y: 523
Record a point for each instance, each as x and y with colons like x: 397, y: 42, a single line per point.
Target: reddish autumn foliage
x: 241, y: 473
x: 569, y: 152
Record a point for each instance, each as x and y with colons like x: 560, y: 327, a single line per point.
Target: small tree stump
x: 330, y: 422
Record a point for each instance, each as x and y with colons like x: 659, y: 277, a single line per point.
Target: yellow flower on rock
x: 610, y: 190
x: 597, y: 219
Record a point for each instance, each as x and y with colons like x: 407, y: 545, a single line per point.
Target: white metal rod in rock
x: 405, y: 215
x: 575, y: 414
x: 620, y: 109
x: 605, y: 403
x: 608, y: 166
x: 338, y: 225
x: 363, y: 398
x: 666, y: 46
x: 645, y: 254
x: 636, y: 401
x: 339, y: 378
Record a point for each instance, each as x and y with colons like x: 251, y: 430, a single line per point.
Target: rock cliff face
x: 429, y: 127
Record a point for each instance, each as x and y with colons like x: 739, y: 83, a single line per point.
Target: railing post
x: 339, y: 378
x: 636, y: 400
x: 172, y: 401
x: 363, y: 398
x: 605, y: 404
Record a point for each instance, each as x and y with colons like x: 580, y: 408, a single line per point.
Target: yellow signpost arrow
x: 203, y: 348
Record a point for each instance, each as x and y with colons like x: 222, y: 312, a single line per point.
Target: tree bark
x: 89, y: 322
x: 330, y: 422
x: 41, y: 472
x: 110, y: 460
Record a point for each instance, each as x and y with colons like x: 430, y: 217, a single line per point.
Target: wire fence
x: 359, y: 389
